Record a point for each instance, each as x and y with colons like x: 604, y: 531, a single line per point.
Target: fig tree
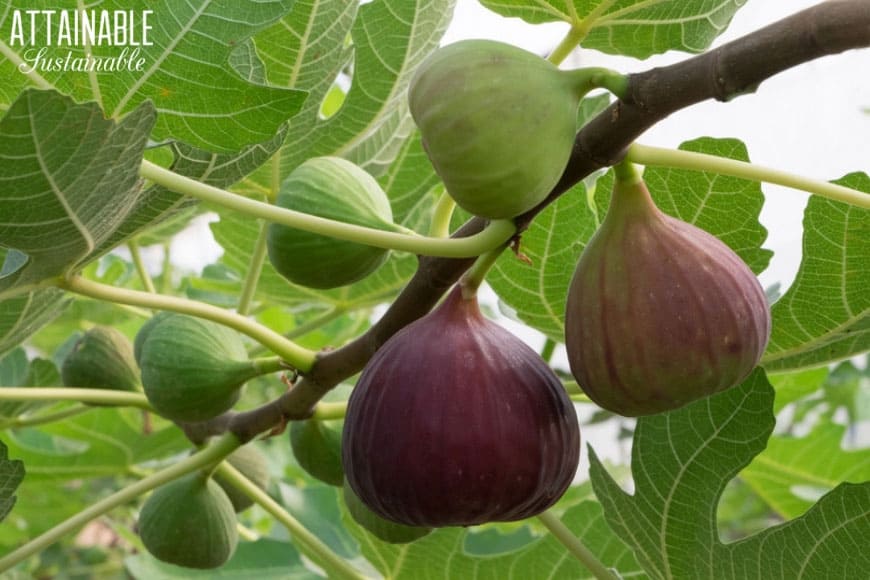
x: 317, y: 448
x: 497, y: 122
x: 455, y: 422
x: 189, y: 522
x: 252, y: 464
x: 384, y: 530
x: 101, y: 359
x: 659, y: 312
x: 333, y: 188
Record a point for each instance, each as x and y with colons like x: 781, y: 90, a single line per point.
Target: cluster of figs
x: 454, y: 421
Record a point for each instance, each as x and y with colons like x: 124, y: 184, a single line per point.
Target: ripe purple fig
x: 660, y: 313
x: 456, y: 422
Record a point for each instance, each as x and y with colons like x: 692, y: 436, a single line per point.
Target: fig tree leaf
x: 795, y: 471
x: 442, y: 553
x: 681, y: 462
x: 17, y: 371
x: 638, y: 28
x: 825, y: 315
x: 24, y: 314
x: 11, y: 475
x: 793, y: 386
x: 186, y: 72
x: 726, y: 207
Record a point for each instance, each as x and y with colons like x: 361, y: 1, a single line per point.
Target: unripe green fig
x: 194, y: 369
x: 384, y: 530
x: 317, y: 448
x: 143, y: 332
x: 189, y: 522
x: 659, y: 312
x: 252, y: 464
x: 497, y: 122
x: 101, y: 359
x: 336, y: 189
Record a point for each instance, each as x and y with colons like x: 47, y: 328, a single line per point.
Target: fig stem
x: 136, y: 256
x: 43, y: 418
x: 258, y: 258
x: 329, y: 411
x: 301, y: 358
x: 268, y: 365
x: 335, y: 565
x: 214, y: 452
x: 494, y: 235
x: 474, y: 276
x: 626, y: 173
x: 106, y: 397
x: 676, y: 158
x: 575, y: 546
x: 567, y: 45
x: 441, y: 214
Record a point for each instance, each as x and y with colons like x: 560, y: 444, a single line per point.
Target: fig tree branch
x: 724, y: 73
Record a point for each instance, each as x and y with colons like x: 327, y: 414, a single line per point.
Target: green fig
x: 189, y: 522
x: 194, y: 369
x: 336, y: 189
x: 101, y: 359
x: 384, y: 530
x: 497, y: 122
x: 317, y: 448
x: 144, y: 330
x: 252, y: 464
x: 659, y: 312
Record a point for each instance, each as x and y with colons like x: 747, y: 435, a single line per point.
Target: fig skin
x: 660, y: 313
x: 384, y: 530
x: 456, y: 422
x: 101, y: 359
x: 189, y: 522
x: 251, y: 463
x: 329, y: 187
x: 317, y: 448
x: 474, y: 101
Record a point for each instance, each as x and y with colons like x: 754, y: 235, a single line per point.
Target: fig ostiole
x: 455, y: 422
x: 333, y: 188
x: 317, y: 448
x: 251, y: 463
x: 101, y: 359
x: 194, y: 369
x: 189, y: 522
x: 384, y: 530
x: 659, y: 312
x: 497, y: 122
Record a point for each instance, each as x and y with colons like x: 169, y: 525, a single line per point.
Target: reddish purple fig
x: 456, y: 422
x: 660, y: 313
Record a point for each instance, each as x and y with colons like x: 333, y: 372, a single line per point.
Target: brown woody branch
x: 733, y: 69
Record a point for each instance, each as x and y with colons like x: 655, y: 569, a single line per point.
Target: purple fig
x: 659, y: 312
x: 456, y: 422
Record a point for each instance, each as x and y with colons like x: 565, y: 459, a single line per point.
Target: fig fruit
x: 497, y: 122
x: 317, y: 448
x: 189, y: 522
x: 101, y: 359
x: 252, y: 464
x: 143, y: 332
x: 384, y: 530
x: 336, y: 189
x: 455, y: 421
x: 194, y: 369
x: 659, y: 312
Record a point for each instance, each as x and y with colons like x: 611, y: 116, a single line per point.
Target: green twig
x: 166, y: 274
x: 136, y: 255
x: 548, y: 349
x: 439, y: 227
x: 494, y: 235
x: 258, y: 258
x: 213, y: 453
x: 43, y: 418
x: 473, y: 278
x: 106, y: 397
x: 329, y: 411
x: 575, y: 546
x: 335, y: 565
x: 646, y: 155
x: 568, y: 44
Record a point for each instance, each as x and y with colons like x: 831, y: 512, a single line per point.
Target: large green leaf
x: 637, y: 28
x: 11, y: 475
x: 24, y: 314
x: 185, y: 71
x: 17, y: 371
x: 681, y: 462
x: 825, y: 314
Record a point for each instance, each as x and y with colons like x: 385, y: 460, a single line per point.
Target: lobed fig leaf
x: 101, y: 359
x: 193, y: 369
x: 189, y: 522
x: 659, y: 312
x: 336, y: 189
x: 456, y: 422
x: 497, y: 122
x: 252, y: 464
x: 317, y: 448
x: 384, y: 530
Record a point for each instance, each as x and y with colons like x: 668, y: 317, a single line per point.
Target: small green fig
x: 194, y: 369
x: 189, y: 522
x: 497, y: 122
x: 101, y: 359
x: 317, y: 448
x: 252, y: 464
x: 144, y: 330
x: 384, y: 530
x: 659, y: 312
x: 336, y: 189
